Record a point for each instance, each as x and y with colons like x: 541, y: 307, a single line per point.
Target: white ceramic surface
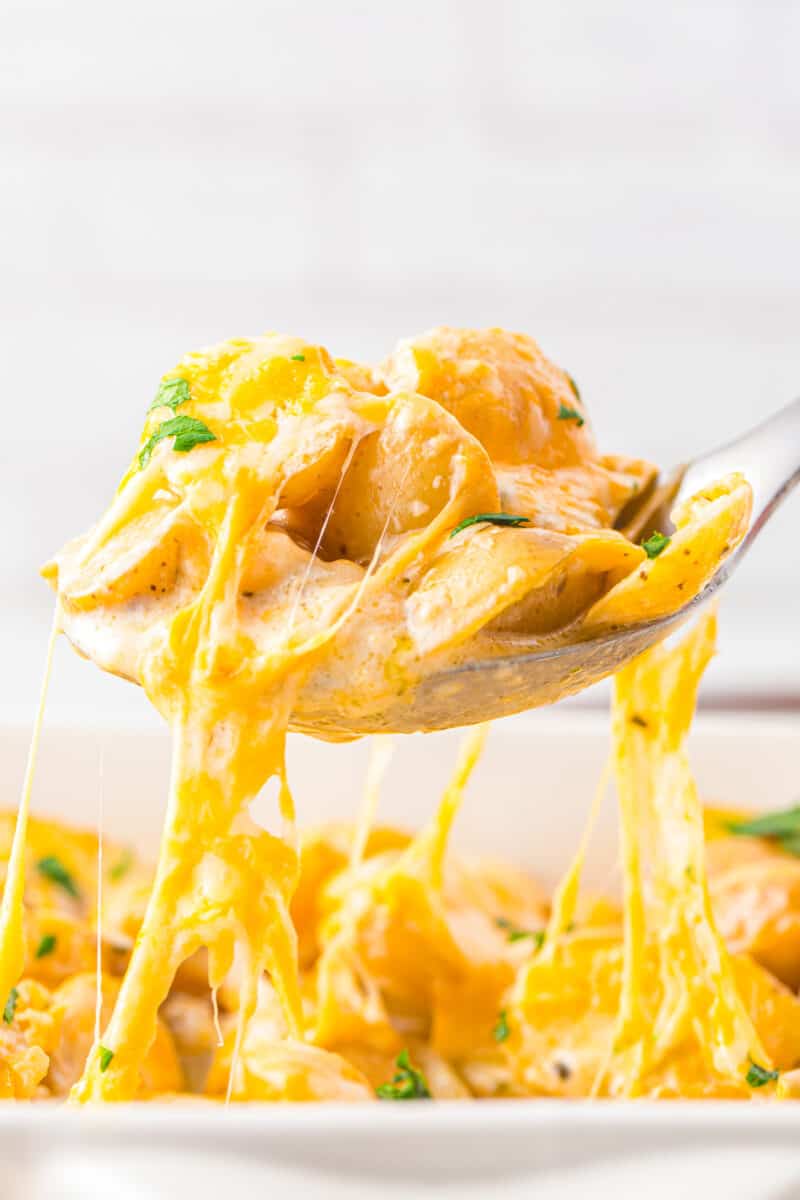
x: 528, y: 800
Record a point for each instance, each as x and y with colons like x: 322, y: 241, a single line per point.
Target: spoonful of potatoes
x: 429, y: 542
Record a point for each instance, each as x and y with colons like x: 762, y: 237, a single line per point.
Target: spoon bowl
x: 499, y: 687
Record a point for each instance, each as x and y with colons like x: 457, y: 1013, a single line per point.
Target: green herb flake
x: 575, y: 389
x: 298, y: 358
x: 758, y: 1076
x: 188, y: 432
x: 536, y: 935
x: 781, y: 826
x: 565, y: 413
x: 489, y: 519
x: 106, y: 1057
x: 53, y: 869
x: 655, y: 544
x: 121, y: 866
x: 172, y: 393
x: 407, y: 1084
x: 516, y: 934
x: 502, y: 1030
x: 11, y: 1006
x: 791, y: 845
x: 47, y: 945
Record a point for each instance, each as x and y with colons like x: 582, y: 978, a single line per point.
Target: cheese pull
x: 299, y: 540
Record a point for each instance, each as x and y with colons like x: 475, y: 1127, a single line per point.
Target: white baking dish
x: 528, y: 801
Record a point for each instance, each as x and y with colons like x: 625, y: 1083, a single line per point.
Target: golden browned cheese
x: 285, y: 543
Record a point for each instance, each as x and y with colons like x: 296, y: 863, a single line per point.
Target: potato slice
x: 500, y: 387
x: 709, y: 526
x: 485, y: 571
x: 403, y: 476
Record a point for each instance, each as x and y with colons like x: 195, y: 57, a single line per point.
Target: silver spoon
x: 769, y: 458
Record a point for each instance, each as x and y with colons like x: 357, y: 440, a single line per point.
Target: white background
x: 620, y: 179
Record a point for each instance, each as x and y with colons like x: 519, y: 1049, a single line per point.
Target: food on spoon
x: 339, y: 465
x: 295, y: 538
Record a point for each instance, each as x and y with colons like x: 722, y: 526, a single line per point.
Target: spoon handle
x: 768, y: 456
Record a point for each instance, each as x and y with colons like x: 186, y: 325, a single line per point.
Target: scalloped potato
x: 299, y: 532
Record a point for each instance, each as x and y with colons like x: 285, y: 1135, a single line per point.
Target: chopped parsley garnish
x: 489, y: 519
x: 502, y: 1029
x: 106, y: 1056
x: 188, y: 432
x: 516, y: 934
x: 122, y: 866
x: 47, y: 945
x: 407, y: 1083
x: 53, y: 869
x: 782, y: 826
x: 298, y: 358
x: 655, y: 544
x: 565, y: 413
x: 172, y: 393
x: 758, y: 1076
x: 575, y: 389
x: 11, y: 1006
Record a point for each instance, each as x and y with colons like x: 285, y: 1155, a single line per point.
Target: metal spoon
x: 769, y: 458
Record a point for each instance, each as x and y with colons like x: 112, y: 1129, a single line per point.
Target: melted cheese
x: 300, y: 559
x: 408, y: 946
x: 669, y: 913
x: 12, y: 931
x: 665, y: 1011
